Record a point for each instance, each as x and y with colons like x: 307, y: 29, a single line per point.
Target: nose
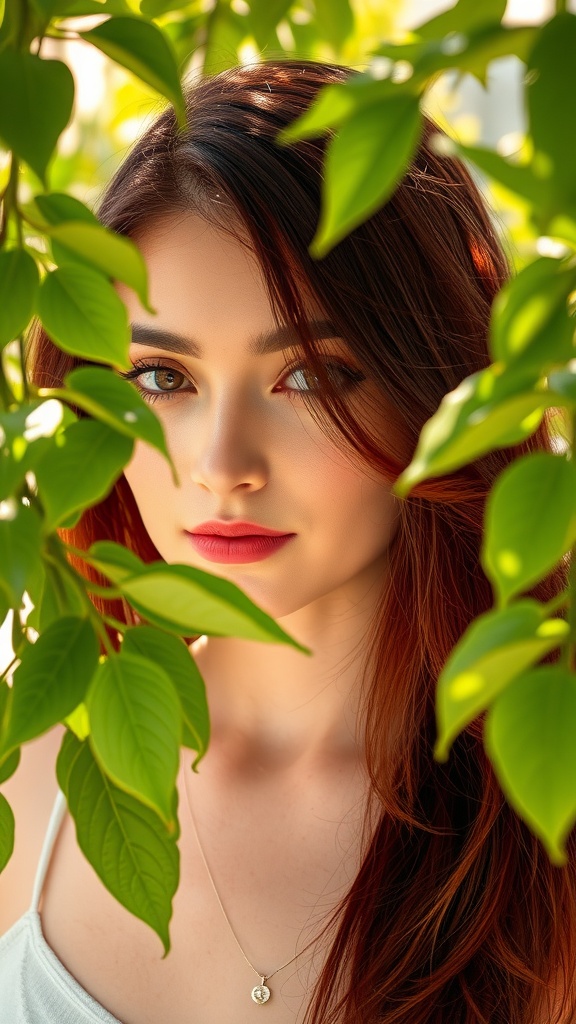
x: 228, y: 451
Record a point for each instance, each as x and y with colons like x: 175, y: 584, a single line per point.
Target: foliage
x: 127, y: 713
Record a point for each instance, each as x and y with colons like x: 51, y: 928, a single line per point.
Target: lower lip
x: 228, y: 550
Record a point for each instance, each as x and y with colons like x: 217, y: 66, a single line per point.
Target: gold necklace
x: 260, y: 993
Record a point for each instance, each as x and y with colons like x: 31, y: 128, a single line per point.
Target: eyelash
x: 141, y: 366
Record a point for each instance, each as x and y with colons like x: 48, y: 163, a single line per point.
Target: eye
x: 155, y: 380
x: 342, y: 376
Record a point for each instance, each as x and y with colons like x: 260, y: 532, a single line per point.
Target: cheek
x: 149, y: 477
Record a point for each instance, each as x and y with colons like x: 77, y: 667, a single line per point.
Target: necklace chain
x: 264, y: 977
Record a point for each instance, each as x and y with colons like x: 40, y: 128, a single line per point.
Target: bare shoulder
x: 31, y: 793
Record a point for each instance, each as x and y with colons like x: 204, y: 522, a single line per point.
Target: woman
x: 331, y: 869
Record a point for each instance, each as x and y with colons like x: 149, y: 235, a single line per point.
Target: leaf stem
x: 57, y: 557
x: 9, y: 667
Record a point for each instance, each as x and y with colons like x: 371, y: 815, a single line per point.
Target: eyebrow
x: 279, y: 338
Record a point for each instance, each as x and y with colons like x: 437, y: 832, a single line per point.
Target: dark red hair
x: 456, y: 915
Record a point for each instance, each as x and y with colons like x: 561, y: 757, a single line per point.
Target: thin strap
x: 58, y: 812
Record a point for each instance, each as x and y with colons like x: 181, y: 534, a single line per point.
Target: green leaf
x: 174, y: 657
x: 529, y: 737
x: 135, y: 729
x: 495, y: 648
x: 18, y: 454
x: 564, y: 383
x: 81, y: 8
x: 19, y: 281
x: 51, y: 680
x: 530, y: 522
x: 29, y: 125
x: 489, y: 409
x: 334, y: 21
x: 117, y: 257
x: 114, y: 401
x: 114, y: 561
x: 264, y: 17
x: 9, y: 765
x: 78, y: 722
x: 11, y: 22
x: 53, y: 595
x: 144, y: 49
x: 470, y: 52
x: 363, y: 165
x: 6, y: 832
x: 20, y: 546
x: 334, y: 105
x: 76, y: 232
x: 224, y: 33
x: 189, y: 601
x: 84, y: 315
x: 64, y: 484
x: 552, y: 78
x: 518, y: 178
x: 123, y: 840
x: 50, y: 208
x: 158, y: 587
x: 465, y: 16
x: 156, y: 8
x: 9, y: 762
x: 530, y: 324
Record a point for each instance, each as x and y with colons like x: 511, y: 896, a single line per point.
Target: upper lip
x: 236, y: 529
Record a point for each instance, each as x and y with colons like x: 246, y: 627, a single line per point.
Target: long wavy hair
x: 456, y: 915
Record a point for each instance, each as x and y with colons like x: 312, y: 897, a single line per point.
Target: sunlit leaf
x: 530, y: 522
x: 136, y: 728
x: 189, y: 601
x: 19, y: 280
x: 84, y: 315
x: 174, y: 657
x: 496, y: 647
x: 489, y: 409
x: 117, y: 257
x: 529, y: 737
x: 116, y: 402
x: 51, y: 679
x: 124, y: 841
x: 363, y: 165
x: 465, y: 16
x: 530, y: 325
x: 28, y: 124
x: 115, y: 561
x: 333, y: 105
x: 63, y: 483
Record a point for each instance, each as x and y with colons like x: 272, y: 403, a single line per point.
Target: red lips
x: 235, y: 529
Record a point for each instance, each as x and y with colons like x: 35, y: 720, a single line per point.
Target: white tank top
x: 35, y: 987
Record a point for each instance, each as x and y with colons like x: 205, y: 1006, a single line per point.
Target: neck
x: 273, y: 707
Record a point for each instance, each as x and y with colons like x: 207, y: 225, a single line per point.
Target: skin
x: 279, y: 798
x: 246, y: 451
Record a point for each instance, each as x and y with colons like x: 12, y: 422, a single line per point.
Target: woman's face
x: 243, y: 442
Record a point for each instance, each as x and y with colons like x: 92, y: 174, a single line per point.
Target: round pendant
x: 261, y: 994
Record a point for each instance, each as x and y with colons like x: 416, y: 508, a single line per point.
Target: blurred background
x: 112, y: 107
